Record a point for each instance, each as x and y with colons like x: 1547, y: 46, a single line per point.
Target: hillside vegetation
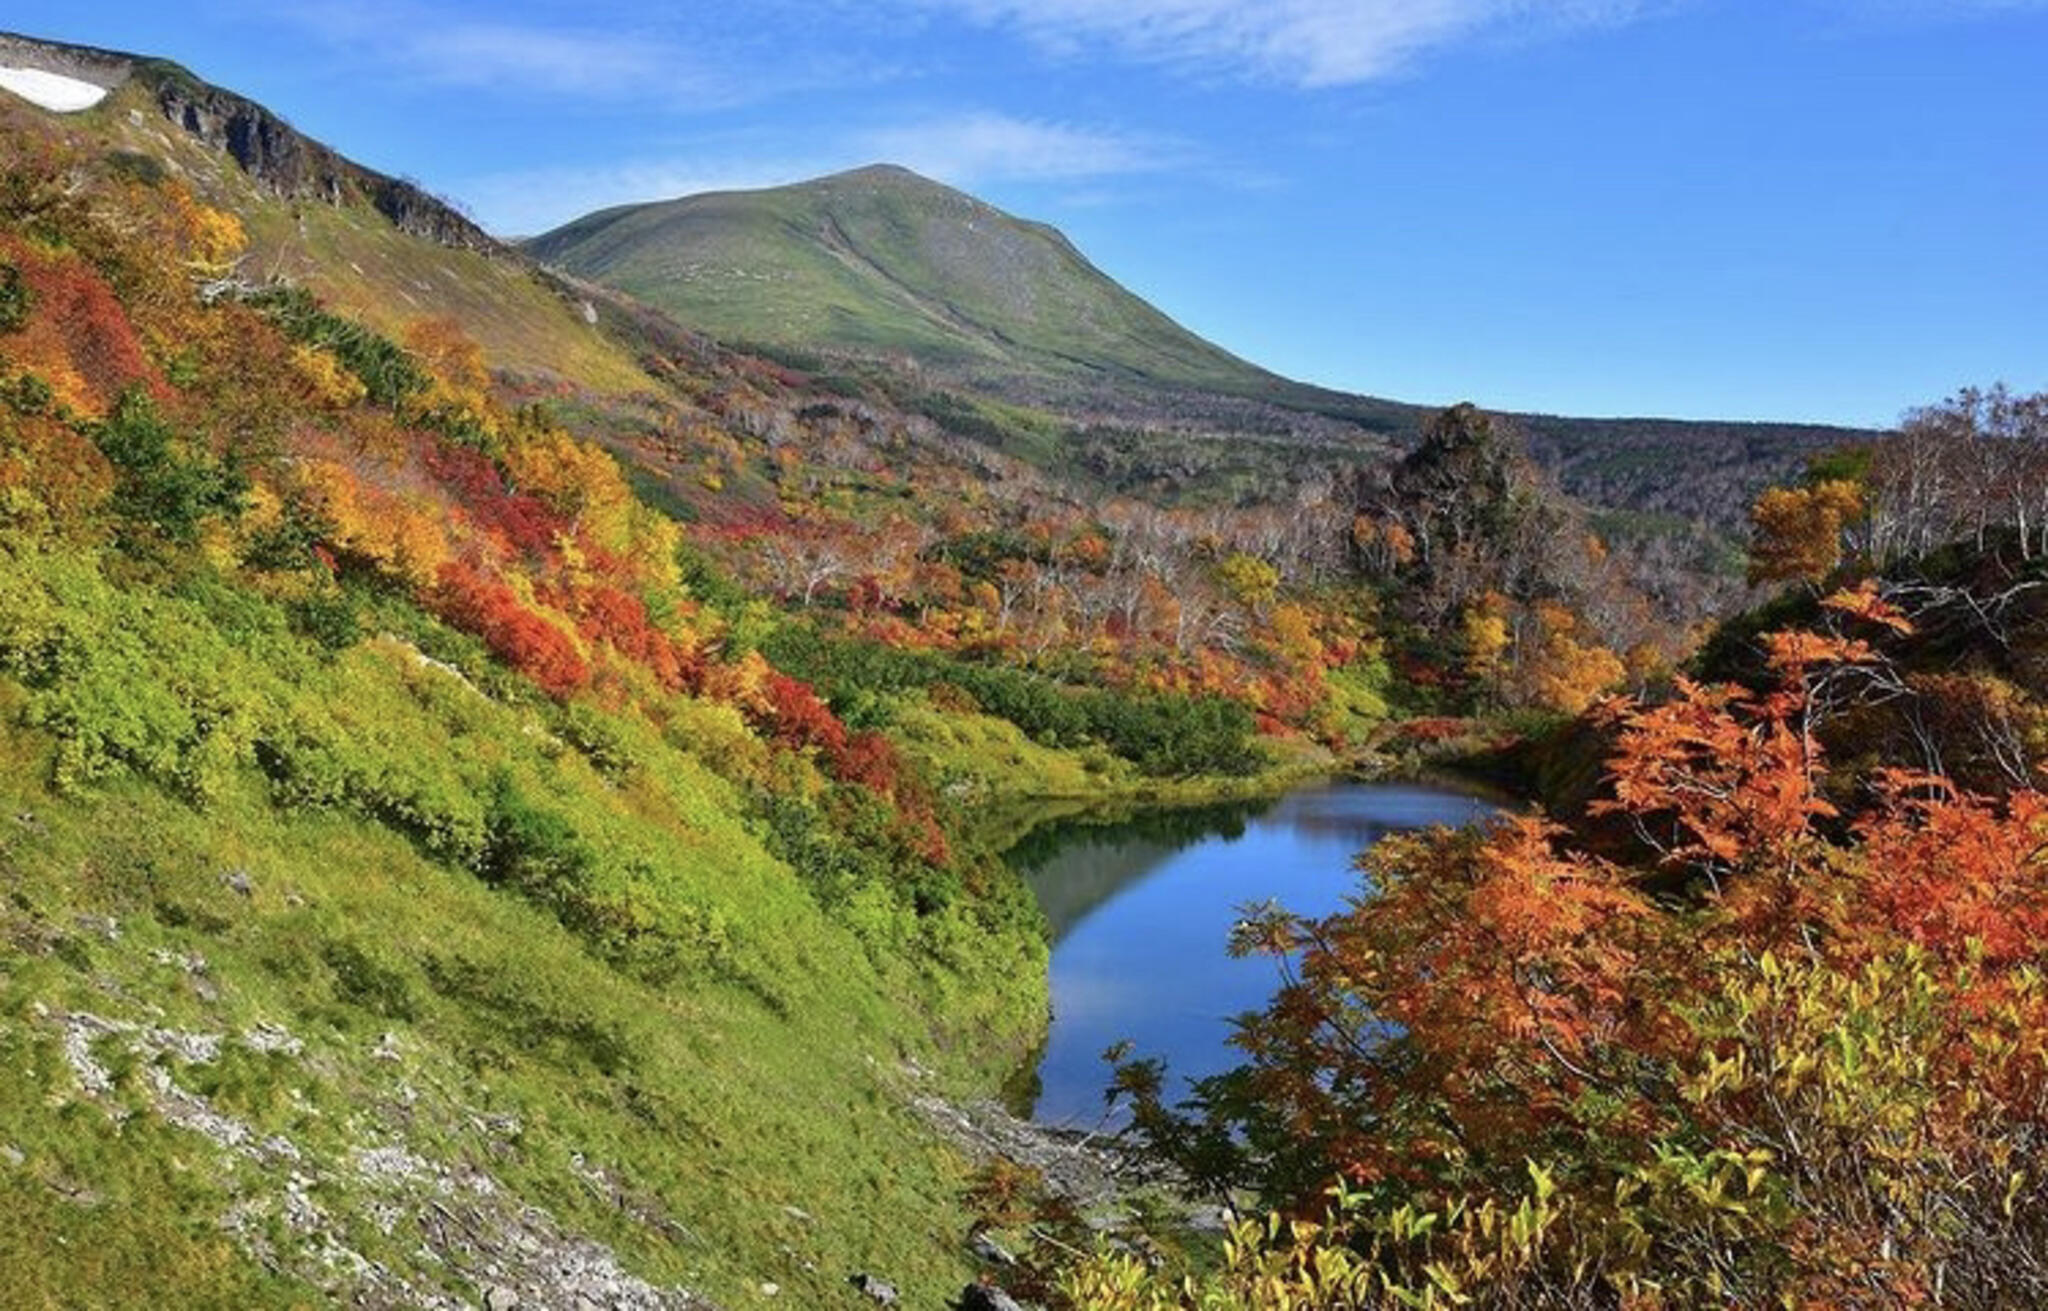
x: 401, y: 901
x: 499, y: 793
x: 882, y: 260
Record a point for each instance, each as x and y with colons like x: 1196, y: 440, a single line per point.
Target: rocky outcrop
x: 277, y: 155
x: 297, y: 167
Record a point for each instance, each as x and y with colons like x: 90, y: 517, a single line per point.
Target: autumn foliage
x: 79, y: 339
x: 515, y: 632
x: 1786, y: 1053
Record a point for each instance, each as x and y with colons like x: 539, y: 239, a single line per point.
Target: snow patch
x: 53, y: 91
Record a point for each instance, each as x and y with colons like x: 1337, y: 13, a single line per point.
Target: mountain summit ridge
x: 880, y: 259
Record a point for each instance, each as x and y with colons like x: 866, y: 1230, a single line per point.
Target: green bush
x: 160, y: 485
x: 1164, y: 734
x: 389, y: 375
x: 16, y: 299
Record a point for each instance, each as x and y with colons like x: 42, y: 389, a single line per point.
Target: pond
x: 1141, y: 911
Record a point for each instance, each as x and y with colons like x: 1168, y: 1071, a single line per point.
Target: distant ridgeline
x: 882, y: 264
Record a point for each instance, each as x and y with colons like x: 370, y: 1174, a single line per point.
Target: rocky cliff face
x: 269, y: 149
x: 294, y: 165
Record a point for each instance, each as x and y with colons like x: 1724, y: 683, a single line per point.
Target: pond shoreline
x: 1141, y: 900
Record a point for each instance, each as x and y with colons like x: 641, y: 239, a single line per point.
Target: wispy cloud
x: 1308, y: 43
x: 965, y: 150
x: 985, y: 147
x: 531, y: 201
x: 579, y: 62
x: 1938, y: 9
x: 428, y: 43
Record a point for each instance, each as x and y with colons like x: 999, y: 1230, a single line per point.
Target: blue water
x: 1142, y: 912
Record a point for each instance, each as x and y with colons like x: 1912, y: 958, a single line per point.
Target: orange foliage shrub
x: 1809, y: 1071
x: 50, y: 472
x: 1796, y: 533
x: 608, y: 614
x: 380, y: 516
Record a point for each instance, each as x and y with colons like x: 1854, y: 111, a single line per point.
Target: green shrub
x: 17, y: 299
x: 160, y: 485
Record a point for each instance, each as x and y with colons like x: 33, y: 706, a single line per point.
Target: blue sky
x: 1790, y: 209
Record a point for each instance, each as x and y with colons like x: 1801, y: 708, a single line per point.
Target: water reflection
x: 1141, y: 911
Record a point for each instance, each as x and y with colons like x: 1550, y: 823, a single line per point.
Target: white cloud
x: 426, y: 42
x: 964, y: 150
x: 485, y: 53
x: 986, y: 147
x: 1304, y: 42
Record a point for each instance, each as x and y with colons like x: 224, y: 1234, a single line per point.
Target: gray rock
x: 501, y: 1299
x: 238, y: 882
x: 879, y: 1291
x: 103, y: 925
x: 986, y: 1297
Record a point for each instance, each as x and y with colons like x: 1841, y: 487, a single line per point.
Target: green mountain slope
x: 880, y: 262
x: 880, y: 259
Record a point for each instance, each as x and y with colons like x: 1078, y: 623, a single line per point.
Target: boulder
x: 986, y: 1297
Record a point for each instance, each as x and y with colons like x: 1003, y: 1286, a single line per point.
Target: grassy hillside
x: 268, y: 1051
x: 406, y: 892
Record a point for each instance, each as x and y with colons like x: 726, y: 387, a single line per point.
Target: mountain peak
x: 883, y: 260
x: 881, y: 172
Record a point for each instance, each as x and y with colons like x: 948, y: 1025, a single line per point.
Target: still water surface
x: 1141, y: 912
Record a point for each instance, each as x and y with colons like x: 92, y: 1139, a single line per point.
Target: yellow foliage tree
x: 332, y: 386
x: 1567, y: 674
x: 1251, y: 580
x: 1796, y: 532
x: 211, y: 238
x: 458, y: 381
x: 1487, y: 637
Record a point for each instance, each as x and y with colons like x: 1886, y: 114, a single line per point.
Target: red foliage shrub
x: 526, y: 523
x: 869, y: 760
x: 514, y: 633
x: 77, y: 335
x: 796, y: 717
x: 618, y: 618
